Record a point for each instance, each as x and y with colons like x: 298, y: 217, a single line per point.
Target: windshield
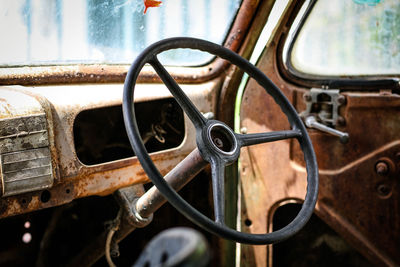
x: 55, y: 32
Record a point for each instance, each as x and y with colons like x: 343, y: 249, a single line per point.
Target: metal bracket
x: 322, y: 111
x: 324, y: 105
x: 127, y: 198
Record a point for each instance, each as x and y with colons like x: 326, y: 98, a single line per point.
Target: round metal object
x: 384, y: 190
x: 223, y: 138
x: 307, y: 97
x: 217, y: 143
x: 341, y: 100
x: 382, y: 168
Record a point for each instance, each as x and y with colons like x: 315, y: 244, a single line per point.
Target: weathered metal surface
x: 225, y: 113
x: 324, y: 105
x: 24, y: 145
x: 355, y: 200
x: 242, y: 24
x: 256, y: 20
x: 22, y: 133
x: 17, y: 102
x: 76, y: 180
x: 178, y: 177
x: 94, y: 249
x: 72, y: 178
x: 98, y: 74
x: 138, y: 207
x: 255, y: 193
x: 26, y: 171
x: 266, y: 178
x: 352, y: 188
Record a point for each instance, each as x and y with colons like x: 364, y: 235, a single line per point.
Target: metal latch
x: 322, y: 111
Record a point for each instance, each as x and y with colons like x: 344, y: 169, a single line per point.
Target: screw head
x: 383, y: 190
x: 341, y: 121
x: 341, y: 100
x: 382, y: 168
x: 307, y: 97
x: 218, y: 142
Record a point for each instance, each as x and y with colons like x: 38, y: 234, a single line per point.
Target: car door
x: 349, y: 101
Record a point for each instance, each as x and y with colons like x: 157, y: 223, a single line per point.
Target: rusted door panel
x: 359, y: 181
x: 266, y: 176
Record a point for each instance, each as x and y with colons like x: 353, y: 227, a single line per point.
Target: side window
x: 348, y: 38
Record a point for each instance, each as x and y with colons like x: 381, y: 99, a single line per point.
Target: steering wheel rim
x: 149, y: 55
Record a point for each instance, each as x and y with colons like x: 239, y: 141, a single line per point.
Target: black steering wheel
x: 217, y: 143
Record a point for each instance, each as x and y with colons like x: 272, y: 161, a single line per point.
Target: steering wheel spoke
x: 218, y: 187
x: 190, y: 109
x: 259, y: 138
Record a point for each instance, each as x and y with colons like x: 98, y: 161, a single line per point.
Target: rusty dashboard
x: 58, y: 142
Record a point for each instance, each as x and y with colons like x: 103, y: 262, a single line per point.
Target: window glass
x: 352, y: 37
x: 51, y: 32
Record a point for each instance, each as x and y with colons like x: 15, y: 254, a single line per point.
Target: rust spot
x: 141, y: 173
x: 24, y: 200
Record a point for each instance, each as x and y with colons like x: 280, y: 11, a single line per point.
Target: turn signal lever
x: 311, y: 122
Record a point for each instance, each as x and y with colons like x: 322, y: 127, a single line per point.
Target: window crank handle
x: 311, y: 122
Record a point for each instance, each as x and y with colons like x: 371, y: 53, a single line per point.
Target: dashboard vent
x: 24, y: 155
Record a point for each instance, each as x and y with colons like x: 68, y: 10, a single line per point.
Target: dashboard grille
x: 25, y: 155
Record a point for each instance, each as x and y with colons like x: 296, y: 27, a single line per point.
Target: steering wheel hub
x: 222, y: 141
x: 216, y: 140
x: 222, y: 138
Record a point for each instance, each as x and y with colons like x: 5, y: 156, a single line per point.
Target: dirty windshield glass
x: 52, y: 32
x: 352, y: 37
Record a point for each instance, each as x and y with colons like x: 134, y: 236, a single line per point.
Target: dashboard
x: 59, y: 143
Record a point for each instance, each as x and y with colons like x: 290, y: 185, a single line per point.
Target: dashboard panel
x: 79, y: 122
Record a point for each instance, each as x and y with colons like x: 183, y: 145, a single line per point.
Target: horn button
x: 222, y: 139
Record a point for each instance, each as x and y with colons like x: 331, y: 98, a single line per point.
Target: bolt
x: 243, y: 130
x: 208, y: 115
x: 307, y: 97
x: 382, y: 168
x: 218, y: 142
x: 383, y: 190
x: 341, y: 100
x: 114, y: 253
x: 341, y: 121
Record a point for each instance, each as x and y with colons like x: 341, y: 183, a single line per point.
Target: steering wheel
x: 217, y: 143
